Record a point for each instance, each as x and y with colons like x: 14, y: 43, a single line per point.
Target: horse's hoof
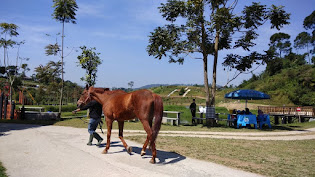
x: 142, y: 153
x: 129, y: 149
x: 104, y: 151
x: 152, y: 161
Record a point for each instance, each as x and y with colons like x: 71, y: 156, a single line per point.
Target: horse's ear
x: 86, y: 87
x: 106, y: 89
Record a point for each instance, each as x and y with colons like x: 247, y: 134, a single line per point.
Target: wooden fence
x: 305, y: 111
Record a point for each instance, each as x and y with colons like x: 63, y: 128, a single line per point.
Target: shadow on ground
x: 5, y: 128
x: 163, y: 157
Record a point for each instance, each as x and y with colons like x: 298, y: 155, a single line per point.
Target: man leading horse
x: 95, y: 109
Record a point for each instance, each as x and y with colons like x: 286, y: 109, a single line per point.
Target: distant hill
x: 158, y: 85
x: 152, y: 85
x: 295, y: 85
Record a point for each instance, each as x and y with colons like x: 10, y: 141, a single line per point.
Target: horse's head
x: 84, y: 98
x: 87, y: 94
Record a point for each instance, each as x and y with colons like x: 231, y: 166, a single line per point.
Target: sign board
x: 298, y: 109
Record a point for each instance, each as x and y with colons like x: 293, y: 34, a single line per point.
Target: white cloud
x: 148, y: 13
x: 91, y: 10
x: 120, y: 36
x: 36, y: 34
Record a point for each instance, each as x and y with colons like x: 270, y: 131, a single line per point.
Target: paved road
x: 51, y: 151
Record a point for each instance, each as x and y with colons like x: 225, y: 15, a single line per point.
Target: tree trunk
x: 214, y: 75
x: 205, y: 64
x: 61, y: 89
x: 205, y: 74
x: 4, y: 58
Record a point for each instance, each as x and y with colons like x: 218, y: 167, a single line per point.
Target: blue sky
x: 119, y: 30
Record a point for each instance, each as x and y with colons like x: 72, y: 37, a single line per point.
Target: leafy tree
x: 280, y: 42
x: 309, y: 21
x: 39, y: 95
x: 7, y: 30
x: 302, y: 40
x: 64, y: 12
x: 130, y: 84
x: 198, y: 34
x: 50, y: 73
x: 52, y: 49
x: 25, y: 69
x: 309, y: 24
x: 293, y: 60
x: 89, y: 60
x: 274, y: 66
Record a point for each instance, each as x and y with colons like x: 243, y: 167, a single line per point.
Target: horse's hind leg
x: 109, y: 124
x: 121, y: 137
x: 153, y: 153
x: 147, y: 128
x: 145, y: 145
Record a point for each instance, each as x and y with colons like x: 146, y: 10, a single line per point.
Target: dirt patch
x: 239, y: 106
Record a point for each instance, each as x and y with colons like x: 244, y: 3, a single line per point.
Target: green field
x: 269, y: 158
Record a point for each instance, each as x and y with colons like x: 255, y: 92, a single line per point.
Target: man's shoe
x: 90, y: 140
x: 99, y: 139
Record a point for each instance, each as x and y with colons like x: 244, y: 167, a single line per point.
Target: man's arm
x: 87, y: 106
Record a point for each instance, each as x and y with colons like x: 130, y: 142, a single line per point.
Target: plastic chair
x: 263, y: 119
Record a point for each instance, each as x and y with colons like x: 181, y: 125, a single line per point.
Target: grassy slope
x: 284, y: 86
x: 284, y: 89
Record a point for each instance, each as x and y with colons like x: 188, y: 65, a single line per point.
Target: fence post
x: 1, y: 104
x: 12, y: 110
x: 22, y: 113
x: 5, y: 107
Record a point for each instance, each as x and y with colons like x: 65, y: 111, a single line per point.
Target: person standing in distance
x: 192, y: 108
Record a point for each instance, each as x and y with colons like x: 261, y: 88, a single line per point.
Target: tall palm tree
x: 65, y: 13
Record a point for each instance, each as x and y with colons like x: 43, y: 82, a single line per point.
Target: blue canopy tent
x: 247, y: 95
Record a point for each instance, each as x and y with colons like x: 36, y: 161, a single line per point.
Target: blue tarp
x: 247, y: 95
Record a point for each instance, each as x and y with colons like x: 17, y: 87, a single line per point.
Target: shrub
x: 182, y: 91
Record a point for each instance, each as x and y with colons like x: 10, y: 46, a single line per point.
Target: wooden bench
x: 40, y: 109
x: 174, y: 120
x: 201, y: 117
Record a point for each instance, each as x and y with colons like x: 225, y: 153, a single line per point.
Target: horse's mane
x: 100, y: 89
x: 106, y: 90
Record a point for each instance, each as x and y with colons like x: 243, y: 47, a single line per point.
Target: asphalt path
x: 55, y: 151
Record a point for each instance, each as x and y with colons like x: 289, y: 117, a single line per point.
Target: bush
x: 182, y: 91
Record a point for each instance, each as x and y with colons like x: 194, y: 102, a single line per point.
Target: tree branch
x: 236, y: 75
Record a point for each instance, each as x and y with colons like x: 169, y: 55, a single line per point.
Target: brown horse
x: 119, y: 105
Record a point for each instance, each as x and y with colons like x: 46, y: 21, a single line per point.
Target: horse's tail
x: 158, y: 114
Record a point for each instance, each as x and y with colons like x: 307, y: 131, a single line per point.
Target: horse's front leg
x: 121, y: 137
x: 109, y: 123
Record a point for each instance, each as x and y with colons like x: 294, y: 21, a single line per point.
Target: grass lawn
x: 270, y: 158
x: 2, y: 171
